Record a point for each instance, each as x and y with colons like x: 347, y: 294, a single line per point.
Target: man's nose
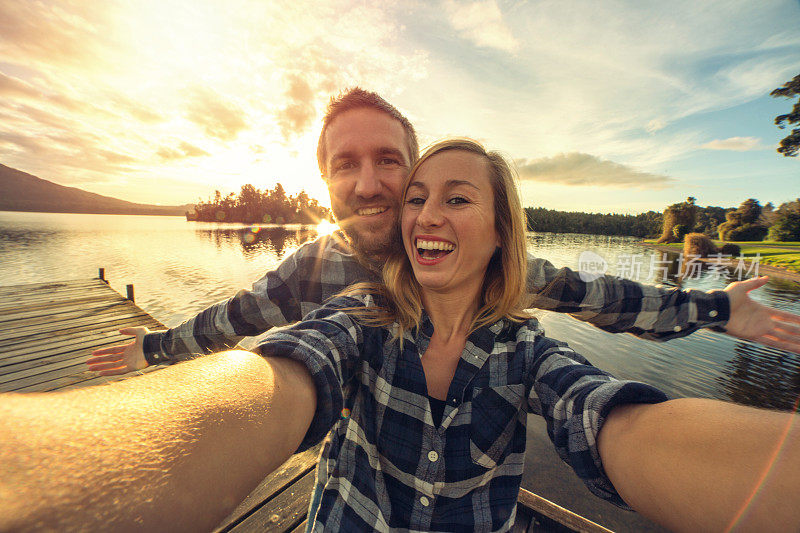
x: 368, y: 183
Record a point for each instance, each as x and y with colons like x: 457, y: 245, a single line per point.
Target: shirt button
x: 433, y: 456
x: 676, y: 329
x: 712, y: 313
x: 424, y: 501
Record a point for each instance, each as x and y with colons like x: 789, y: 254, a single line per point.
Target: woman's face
x: 448, y: 222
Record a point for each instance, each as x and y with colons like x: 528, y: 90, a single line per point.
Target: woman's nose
x: 431, y: 215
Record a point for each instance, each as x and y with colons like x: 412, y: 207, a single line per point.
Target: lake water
x: 179, y: 268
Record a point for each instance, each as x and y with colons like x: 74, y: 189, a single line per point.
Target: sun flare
x: 326, y: 228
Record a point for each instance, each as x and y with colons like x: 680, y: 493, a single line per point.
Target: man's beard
x: 372, y: 246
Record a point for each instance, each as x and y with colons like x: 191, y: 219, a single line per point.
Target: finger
x: 133, y: 331
x: 106, y: 366
x: 755, y: 283
x: 112, y: 349
x: 784, y: 316
x: 787, y: 328
x: 113, y: 372
x: 775, y: 342
x: 96, y: 359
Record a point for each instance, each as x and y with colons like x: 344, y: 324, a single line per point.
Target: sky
x: 615, y: 106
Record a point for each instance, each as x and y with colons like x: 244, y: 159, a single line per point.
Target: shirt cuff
x: 615, y: 393
x: 152, y: 349
x: 713, y: 310
x: 308, y: 350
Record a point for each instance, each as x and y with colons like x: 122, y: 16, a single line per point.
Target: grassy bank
x: 784, y: 255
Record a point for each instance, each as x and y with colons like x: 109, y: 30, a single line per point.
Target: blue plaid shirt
x: 386, y: 465
x: 321, y: 269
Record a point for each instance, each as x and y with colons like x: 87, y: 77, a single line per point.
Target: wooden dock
x: 47, y: 332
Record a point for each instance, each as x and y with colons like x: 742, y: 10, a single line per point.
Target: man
x: 365, y: 150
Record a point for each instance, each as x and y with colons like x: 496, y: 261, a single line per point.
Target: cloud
x: 577, y: 169
x: 183, y: 150
x: 482, y: 24
x: 218, y: 118
x: 655, y: 125
x: 47, y: 32
x: 12, y: 87
x: 299, y: 112
x: 737, y: 144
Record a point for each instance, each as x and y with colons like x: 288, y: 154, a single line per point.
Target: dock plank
x: 286, y: 511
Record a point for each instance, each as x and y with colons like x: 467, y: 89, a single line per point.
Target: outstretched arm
x: 176, y: 449
x: 623, y: 306
x: 301, y: 283
x: 705, y: 465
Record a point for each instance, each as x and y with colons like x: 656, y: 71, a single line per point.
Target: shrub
x: 698, y: 244
x: 732, y: 250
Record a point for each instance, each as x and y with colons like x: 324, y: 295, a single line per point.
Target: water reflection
x: 762, y: 377
x: 259, y: 239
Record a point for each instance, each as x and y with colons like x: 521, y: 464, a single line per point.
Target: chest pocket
x: 495, y: 414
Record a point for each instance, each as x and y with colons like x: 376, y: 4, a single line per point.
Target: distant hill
x: 20, y: 191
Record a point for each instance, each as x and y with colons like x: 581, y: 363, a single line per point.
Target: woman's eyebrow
x: 455, y: 183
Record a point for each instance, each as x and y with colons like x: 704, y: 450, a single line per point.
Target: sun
x: 326, y: 228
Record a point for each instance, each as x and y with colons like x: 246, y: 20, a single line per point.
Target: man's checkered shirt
x: 385, y: 465
x: 320, y: 269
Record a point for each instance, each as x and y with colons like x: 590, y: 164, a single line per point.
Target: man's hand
x: 756, y: 322
x: 122, y: 358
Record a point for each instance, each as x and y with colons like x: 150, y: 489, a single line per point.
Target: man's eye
x: 347, y: 165
x: 457, y: 200
x: 388, y: 161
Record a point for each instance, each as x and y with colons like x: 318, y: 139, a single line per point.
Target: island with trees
x: 252, y: 206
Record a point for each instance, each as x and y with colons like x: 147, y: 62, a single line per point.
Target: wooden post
x: 129, y: 289
x: 102, y: 275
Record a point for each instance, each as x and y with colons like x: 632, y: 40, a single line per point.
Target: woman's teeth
x: 434, y: 249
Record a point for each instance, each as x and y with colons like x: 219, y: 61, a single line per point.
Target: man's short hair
x: 357, y: 98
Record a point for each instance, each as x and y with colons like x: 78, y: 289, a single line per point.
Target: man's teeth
x: 435, y: 245
x: 370, y: 211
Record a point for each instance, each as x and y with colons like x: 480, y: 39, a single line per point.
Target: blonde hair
x: 504, y: 281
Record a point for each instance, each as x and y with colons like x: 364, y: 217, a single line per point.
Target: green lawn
x: 768, y: 255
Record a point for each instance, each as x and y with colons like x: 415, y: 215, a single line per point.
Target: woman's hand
x: 756, y: 322
x: 122, y: 358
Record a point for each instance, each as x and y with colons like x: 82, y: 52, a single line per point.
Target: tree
x: 787, y: 223
x: 743, y: 224
x: 791, y: 144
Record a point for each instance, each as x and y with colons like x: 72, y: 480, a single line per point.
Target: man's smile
x: 367, y: 211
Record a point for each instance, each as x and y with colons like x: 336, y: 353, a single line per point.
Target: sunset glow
x: 617, y: 108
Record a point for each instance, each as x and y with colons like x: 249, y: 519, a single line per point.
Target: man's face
x: 367, y: 160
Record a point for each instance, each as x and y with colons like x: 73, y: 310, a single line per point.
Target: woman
x: 427, y: 380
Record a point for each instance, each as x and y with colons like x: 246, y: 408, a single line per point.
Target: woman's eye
x: 458, y: 200
x: 415, y: 201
